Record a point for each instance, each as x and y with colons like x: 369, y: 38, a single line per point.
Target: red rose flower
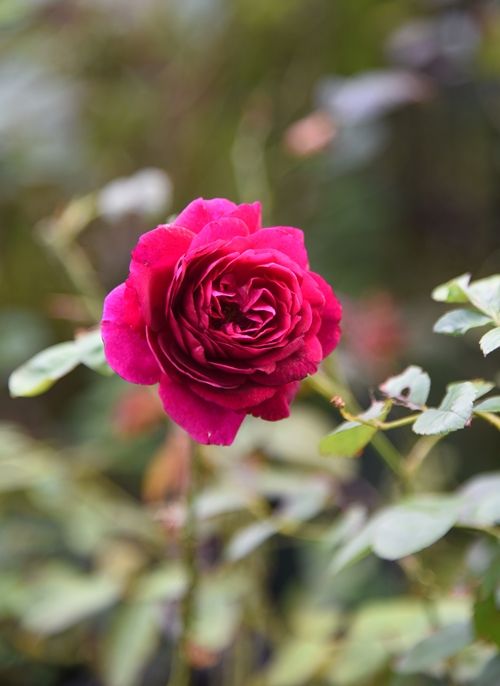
x: 225, y: 315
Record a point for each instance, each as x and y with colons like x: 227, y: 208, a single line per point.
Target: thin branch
x: 328, y: 389
x: 181, y: 670
x: 376, y: 423
x: 490, y: 418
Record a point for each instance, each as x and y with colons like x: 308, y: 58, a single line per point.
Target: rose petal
x: 174, y: 361
x: 286, y: 239
x: 219, y: 230
x: 277, y: 407
x: 125, y: 344
x: 312, y: 291
x: 297, y: 366
x: 329, y: 332
x: 200, y: 212
x: 251, y: 214
x: 239, y: 399
x: 152, y: 266
x: 205, y: 422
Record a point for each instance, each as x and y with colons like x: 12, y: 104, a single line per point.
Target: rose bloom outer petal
x: 277, y: 407
x: 125, y: 345
x: 204, y: 421
x: 152, y: 266
x: 330, y: 331
x: 223, y: 229
x: 286, y: 239
x: 296, y: 367
x: 240, y: 399
x: 251, y: 214
x: 200, y: 212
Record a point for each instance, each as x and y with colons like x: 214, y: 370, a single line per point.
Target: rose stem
x: 328, y: 388
x: 181, y: 670
x: 58, y: 236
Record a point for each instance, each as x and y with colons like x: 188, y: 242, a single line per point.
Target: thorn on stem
x: 338, y: 402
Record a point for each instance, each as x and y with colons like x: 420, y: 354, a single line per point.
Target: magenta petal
x: 329, y: 332
x: 299, y: 365
x: 152, y: 266
x: 239, y: 399
x: 125, y: 345
x: 204, y: 421
x: 251, y: 214
x: 312, y: 291
x: 200, y: 212
x: 286, y: 239
x: 277, y: 407
x: 221, y: 229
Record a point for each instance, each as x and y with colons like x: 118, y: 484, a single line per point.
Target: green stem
x: 181, y: 670
x: 58, y: 235
x: 396, y: 423
x: 328, y: 389
x: 423, y: 580
x: 491, y: 418
x: 391, y: 455
x: 493, y: 531
x: 375, y: 423
x: 419, y: 453
x: 82, y: 275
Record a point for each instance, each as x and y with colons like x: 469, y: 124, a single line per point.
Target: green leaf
x: 313, y: 620
x: 489, y: 405
x: 487, y: 619
x: 14, y: 592
x: 490, y: 341
x: 305, y: 505
x: 485, y: 295
x: 91, y: 351
x: 411, y: 386
x: 297, y: 662
x: 41, y: 372
x: 130, y: 643
x: 64, y: 598
x: 356, y: 548
x: 458, y: 322
x: 398, y: 623
x: 13, y: 11
x: 405, y: 529
x: 395, y: 623
x: 219, y: 500
x: 454, y: 291
x: 347, y: 525
x: 435, y: 648
x: 490, y: 577
x: 482, y: 387
x: 165, y: 583
x: 350, y: 438
x: 357, y: 663
x: 249, y: 538
x: 218, y: 610
x: 452, y: 414
x: 26, y: 470
x: 481, y: 500
x: 382, y: 629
